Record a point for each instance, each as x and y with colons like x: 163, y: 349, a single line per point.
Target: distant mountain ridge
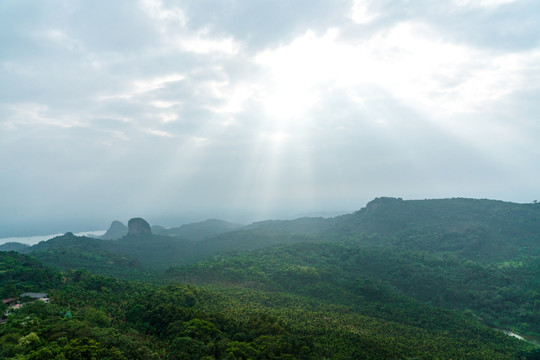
x: 395, y: 214
x: 303, y: 225
x: 472, y: 228
x: 410, y: 264
x: 201, y: 230
x: 115, y: 231
x: 193, y: 231
x: 13, y: 246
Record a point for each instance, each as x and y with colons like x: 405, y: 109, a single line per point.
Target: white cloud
x: 151, y: 84
x: 160, y: 104
x: 202, y: 43
x: 360, y: 12
x: 35, y: 115
x: 410, y: 61
x: 294, y: 71
x: 146, y: 85
x: 171, y: 23
x: 160, y: 133
x: 322, y: 100
x: 275, y: 137
x: 482, y: 3
x: 233, y: 96
x: 168, y: 117
x: 499, y: 77
x: 156, y: 10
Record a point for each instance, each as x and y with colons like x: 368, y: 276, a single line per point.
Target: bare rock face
x: 138, y: 227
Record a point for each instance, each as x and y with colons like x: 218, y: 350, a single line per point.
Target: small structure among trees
x: 9, y: 301
x: 35, y: 296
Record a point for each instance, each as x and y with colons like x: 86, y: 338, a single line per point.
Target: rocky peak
x: 115, y: 231
x: 138, y: 227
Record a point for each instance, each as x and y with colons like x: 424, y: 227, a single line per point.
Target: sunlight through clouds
x: 274, y: 106
x: 410, y: 61
x: 439, y: 77
x: 295, y: 71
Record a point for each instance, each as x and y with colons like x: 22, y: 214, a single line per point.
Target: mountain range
x: 423, y: 266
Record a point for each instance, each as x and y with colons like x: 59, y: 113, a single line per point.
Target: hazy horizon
x: 35, y: 234
x: 38, y: 232
x: 187, y: 110
x: 89, y: 226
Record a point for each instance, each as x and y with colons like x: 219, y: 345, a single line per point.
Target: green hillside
x: 483, y: 230
x: 128, y: 257
x: 201, y: 230
x: 13, y: 246
x: 499, y: 296
x: 94, y: 317
x: 406, y: 279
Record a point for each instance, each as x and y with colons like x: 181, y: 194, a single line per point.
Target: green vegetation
x: 503, y: 297
x: 19, y: 274
x: 201, y: 230
x: 396, y: 280
x: 95, y: 317
x: 13, y: 246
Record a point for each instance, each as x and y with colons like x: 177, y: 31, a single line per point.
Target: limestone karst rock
x: 115, y: 231
x: 138, y: 227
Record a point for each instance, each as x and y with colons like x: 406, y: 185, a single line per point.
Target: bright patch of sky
x: 249, y: 110
x: 360, y: 13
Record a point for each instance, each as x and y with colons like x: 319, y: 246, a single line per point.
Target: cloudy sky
x: 246, y: 110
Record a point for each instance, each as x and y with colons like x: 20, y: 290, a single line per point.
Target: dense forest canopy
x: 429, y: 279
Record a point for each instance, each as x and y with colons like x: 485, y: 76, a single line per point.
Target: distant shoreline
x: 32, y: 240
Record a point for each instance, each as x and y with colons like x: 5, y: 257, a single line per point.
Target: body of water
x: 32, y: 240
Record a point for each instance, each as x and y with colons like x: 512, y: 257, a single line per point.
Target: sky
x: 247, y: 110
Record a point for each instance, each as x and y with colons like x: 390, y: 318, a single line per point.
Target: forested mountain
x: 124, y: 256
x: 115, y: 231
x: 94, y: 317
x: 501, y: 295
x: 201, y: 230
x: 13, y: 246
x: 480, y: 230
x: 396, y: 279
x: 192, y: 231
x: 484, y: 230
x: 302, y: 226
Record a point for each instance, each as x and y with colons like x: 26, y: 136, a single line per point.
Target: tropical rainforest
x: 398, y: 279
